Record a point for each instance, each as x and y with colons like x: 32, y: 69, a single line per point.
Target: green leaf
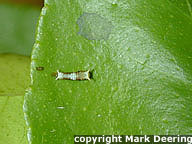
x: 14, y: 79
x: 141, y: 56
x: 17, y: 28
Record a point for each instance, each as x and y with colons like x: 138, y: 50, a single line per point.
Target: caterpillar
x: 79, y: 75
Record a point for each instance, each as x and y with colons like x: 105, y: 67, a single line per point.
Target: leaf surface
x: 141, y: 56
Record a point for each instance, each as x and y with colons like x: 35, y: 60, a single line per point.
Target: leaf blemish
x: 39, y: 68
x: 94, y: 27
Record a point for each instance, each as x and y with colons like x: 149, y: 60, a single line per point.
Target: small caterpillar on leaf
x: 79, y: 75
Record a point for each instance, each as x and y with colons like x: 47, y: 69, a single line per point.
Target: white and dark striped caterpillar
x: 79, y: 75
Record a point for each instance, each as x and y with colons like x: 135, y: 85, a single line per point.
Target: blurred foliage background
x: 18, y: 19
